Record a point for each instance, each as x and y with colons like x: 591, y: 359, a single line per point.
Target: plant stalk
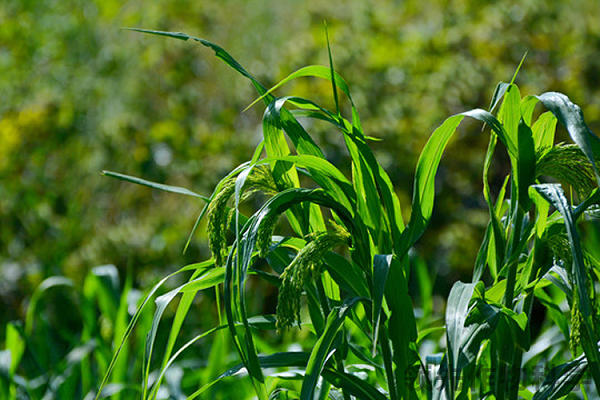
x: 339, y: 360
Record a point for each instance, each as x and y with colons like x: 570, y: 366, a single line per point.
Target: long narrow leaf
x: 555, y: 196
x: 562, y: 379
x: 220, y: 53
x: 571, y: 116
x: 352, y: 385
x: 323, y: 350
x: 309, y: 71
x: 424, y: 185
x: 456, y: 315
x: 134, y: 319
x: 277, y: 360
x: 154, y: 185
x: 381, y: 267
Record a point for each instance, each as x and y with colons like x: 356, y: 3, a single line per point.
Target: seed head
x: 219, y: 214
x: 308, y: 261
x: 575, y: 335
x: 567, y: 164
x: 218, y: 220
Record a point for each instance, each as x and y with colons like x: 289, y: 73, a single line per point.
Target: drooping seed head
x: 307, y: 262
x: 265, y: 233
x: 219, y: 215
x: 218, y: 218
x: 567, y: 164
x: 575, y: 334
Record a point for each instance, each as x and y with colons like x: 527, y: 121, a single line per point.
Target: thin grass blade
x: 154, y: 185
x: 134, y: 319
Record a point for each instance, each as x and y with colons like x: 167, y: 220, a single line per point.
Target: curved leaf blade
x: 154, y: 185
x: 571, y: 116
x: 554, y: 195
x: 562, y: 379
x: 323, y: 348
x: 381, y: 268
x: 352, y: 385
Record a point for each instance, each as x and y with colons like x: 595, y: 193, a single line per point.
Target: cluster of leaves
x: 98, y: 100
x: 78, y: 95
x: 60, y: 354
x: 531, y: 253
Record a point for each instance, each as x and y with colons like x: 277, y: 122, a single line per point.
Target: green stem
x: 539, y: 259
x: 513, y: 258
x: 499, y: 387
x: 503, y: 378
x: 386, y: 351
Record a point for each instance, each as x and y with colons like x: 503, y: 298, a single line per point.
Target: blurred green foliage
x: 79, y: 95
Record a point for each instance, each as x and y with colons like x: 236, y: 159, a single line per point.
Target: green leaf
x: 527, y: 106
x: 284, y: 173
x: 555, y: 196
x: 276, y: 360
x: 542, y: 207
x: 457, y: 310
x: 301, y: 140
x: 593, y: 199
x: 556, y: 314
x: 381, y: 267
x: 323, y: 349
x: 316, y: 71
x: 352, y: 385
x: 154, y: 185
x: 208, y: 279
x: 402, y: 327
x: 518, y: 327
x: 482, y: 254
x: 499, y: 92
x: 325, y: 175
x: 466, y: 328
x: 571, y: 116
x: 284, y: 394
x: 429, y: 160
x: 525, y: 164
x: 510, y: 116
x: 424, y: 184
x: 333, y: 84
x: 134, y: 319
x: 562, y: 379
x: 365, y: 186
x: 348, y: 275
x: 49, y: 283
x: 492, y: 248
x: 15, y: 343
x: 220, y: 53
x: 543, y: 131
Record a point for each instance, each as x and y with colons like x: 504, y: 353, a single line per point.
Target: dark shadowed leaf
x: 562, y: 379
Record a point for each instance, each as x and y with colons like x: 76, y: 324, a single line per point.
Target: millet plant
x: 345, y: 266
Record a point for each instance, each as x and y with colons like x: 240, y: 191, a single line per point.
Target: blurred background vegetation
x: 78, y: 96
